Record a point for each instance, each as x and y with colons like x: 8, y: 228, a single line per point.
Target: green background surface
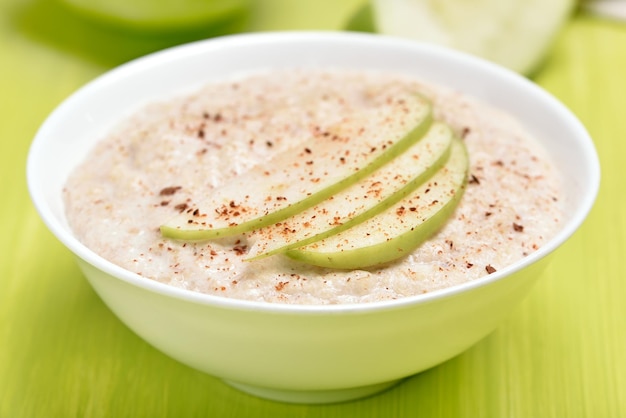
x: 562, y: 353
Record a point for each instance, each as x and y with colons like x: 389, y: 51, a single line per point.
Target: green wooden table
x: 63, y: 353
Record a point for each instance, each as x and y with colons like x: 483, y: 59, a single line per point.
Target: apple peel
x: 303, y: 176
x: 359, y: 202
x: 398, y: 230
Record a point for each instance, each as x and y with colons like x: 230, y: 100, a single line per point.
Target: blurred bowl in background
x: 160, y: 15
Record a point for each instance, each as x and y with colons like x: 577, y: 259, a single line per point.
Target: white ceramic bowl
x: 306, y: 353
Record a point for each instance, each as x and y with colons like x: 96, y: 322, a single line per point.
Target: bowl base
x: 313, y: 396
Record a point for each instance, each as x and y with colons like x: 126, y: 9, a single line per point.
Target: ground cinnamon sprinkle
x: 168, y: 191
x: 280, y: 286
x: 473, y: 179
x: 181, y: 207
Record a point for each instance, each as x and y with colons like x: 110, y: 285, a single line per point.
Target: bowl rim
x: 205, y: 46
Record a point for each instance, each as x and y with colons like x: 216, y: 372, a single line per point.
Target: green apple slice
x: 359, y: 202
x: 303, y: 176
x: 398, y: 230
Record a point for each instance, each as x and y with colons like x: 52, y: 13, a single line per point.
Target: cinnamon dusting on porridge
x: 163, y: 159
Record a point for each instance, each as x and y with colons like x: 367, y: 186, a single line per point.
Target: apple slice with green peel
x: 398, y: 230
x: 359, y: 202
x: 331, y: 160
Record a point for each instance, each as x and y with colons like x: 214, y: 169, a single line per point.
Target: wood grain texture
x: 63, y: 354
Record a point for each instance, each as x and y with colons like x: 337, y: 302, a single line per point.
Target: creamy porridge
x: 174, y: 152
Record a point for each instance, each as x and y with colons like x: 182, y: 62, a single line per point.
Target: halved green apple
x: 331, y: 160
x: 359, y: 202
x: 398, y: 230
x: 513, y: 33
